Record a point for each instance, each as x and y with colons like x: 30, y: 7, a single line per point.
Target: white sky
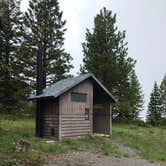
x: 145, y: 25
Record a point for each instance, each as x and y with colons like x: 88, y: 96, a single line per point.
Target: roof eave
x: 90, y: 75
x: 104, y: 88
x: 40, y: 98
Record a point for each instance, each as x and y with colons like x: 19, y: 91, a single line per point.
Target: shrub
x: 137, y: 122
x: 163, y: 122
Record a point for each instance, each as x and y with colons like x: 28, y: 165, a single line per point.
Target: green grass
x: 12, y: 130
x: 149, y: 142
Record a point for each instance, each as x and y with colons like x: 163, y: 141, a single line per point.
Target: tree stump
x: 23, y: 146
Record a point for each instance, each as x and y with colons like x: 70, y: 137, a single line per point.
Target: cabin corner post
x: 110, y: 109
x: 91, y: 118
x: 60, y: 119
x: 91, y: 110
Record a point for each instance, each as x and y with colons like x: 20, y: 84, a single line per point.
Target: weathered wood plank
x: 75, y: 134
x: 46, y: 128
x: 75, y: 128
x: 75, y: 119
x: 51, y: 118
x: 76, y: 125
x: 51, y: 122
x: 74, y: 122
x: 48, y: 133
x: 72, y: 116
x: 102, y: 121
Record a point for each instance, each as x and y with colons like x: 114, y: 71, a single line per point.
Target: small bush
x: 140, y: 123
x: 163, y: 122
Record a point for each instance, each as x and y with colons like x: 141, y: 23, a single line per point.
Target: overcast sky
x: 145, y: 25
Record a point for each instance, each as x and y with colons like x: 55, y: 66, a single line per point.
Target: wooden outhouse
x: 74, y: 107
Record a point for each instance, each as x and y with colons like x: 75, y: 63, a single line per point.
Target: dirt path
x: 125, y: 149
x: 91, y: 159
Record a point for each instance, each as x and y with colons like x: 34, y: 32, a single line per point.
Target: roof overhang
x: 88, y: 76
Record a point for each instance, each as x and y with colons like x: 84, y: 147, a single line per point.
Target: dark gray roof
x: 63, y: 86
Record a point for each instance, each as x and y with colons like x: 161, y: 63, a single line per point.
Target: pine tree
x: 12, y: 86
x: 154, y: 107
x: 44, y: 30
x: 163, y: 95
x: 135, y: 96
x: 105, y: 55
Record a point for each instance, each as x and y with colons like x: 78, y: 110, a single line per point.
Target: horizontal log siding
x: 72, y: 114
x: 51, y: 119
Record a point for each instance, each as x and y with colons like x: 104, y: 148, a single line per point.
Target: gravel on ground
x: 91, y: 159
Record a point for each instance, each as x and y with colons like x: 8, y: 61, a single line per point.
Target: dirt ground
x: 91, y: 159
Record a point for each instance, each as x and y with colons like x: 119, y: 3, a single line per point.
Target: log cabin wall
x: 73, y: 117
x: 50, y: 118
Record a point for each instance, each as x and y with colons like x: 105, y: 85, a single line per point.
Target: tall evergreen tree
x: 44, y: 30
x: 12, y: 86
x: 105, y: 55
x: 163, y: 95
x: 135, y: 96
x: 154, y: 107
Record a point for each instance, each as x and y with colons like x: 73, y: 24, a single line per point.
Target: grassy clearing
x: 150, y: 142
x: 14, y: 130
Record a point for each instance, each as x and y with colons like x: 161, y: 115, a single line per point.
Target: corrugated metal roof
x: 63, y: 86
